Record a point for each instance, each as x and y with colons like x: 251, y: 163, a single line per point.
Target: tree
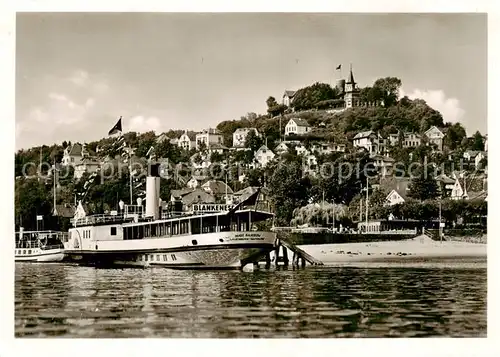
x: 253, y: 141
x: 32, y: 198
x: 277, y: 109
x: 371, y: 94
x: 477, y: 141
x: 309, y: 97
x: 289, y: 190
x: 388, y: 88
x: 271, y: 102
x: 454, y: 136
x: 423, y: 187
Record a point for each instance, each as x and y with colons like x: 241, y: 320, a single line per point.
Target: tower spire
x: 351, y: 76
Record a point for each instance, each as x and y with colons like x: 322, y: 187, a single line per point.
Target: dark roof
x: 474, y: 195
x: 197, y: 196
x: 383, y: 158
x: 351, y: 77
x: 289, y: 93
x: 65, y: 210
x: 363, y: 134
x: 179, y: 193
x: 300, y: 121
x: 217, y: 187
x: 76, y: 150
x: 400, y: 185
x: 445, y: 179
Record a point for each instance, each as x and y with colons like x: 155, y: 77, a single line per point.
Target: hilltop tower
x: 351, y: 96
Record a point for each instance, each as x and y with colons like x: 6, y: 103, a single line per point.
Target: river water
x: 70, y: 301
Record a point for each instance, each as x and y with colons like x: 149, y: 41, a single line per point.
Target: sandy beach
x: 415, y: 249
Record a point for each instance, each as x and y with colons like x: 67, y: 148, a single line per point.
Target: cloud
x: 67, y: 110
x: 140, y: 123
x: 79, y: 78
x: 449, y: 108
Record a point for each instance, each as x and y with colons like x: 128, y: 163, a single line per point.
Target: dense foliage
x: 290, y: 188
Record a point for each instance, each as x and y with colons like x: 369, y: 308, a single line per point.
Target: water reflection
x: 52, y: 300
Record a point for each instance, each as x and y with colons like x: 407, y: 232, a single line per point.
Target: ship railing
x: 31, y: 239
x: 100, y: 218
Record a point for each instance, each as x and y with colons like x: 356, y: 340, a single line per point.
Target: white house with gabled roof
x: 73, y: 155
x: 288, y: 97
x: 208, y: 137
x: 371, y: 141
x: 263, y: 156
x: 281, y: 148
x: 435, y: 136
x: 185, y: 142
x: 297, y: 126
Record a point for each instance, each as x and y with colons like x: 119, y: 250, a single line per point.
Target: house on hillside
x: 88, y: 165
x: 370, y: 141
x: 297, y: 126
x: 310, y: 164
x: 188, y: 197
x: 445, y: 184
x: 200, y: 161
x: 73, y: 155
x: 64, y: 210
x: 383, y: 164
x: 218, y: 148
x: 459, y: 190
x: 301, y: 150
x: 164, y: 137
x: 240, y: 136
x: 219, y: 189
x: 281, y: 149
x: 186, y: 141
x: 395, y: 197
x: 398, y: 188
x: 435, y: 136
x: 207, y: 138
x: 263, y: 156
x: 324, y: 148
x: 408, y: 139
x: 479, y: 157
x: 470, y: 155
x: 288, y: 97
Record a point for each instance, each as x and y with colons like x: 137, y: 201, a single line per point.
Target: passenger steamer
x: 203, y: 240
x: 39, y: 246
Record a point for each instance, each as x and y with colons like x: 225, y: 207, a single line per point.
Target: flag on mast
x: 338, y: 67
x: 117, y: 128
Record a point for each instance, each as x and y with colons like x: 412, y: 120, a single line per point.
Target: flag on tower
x: 117, y: 128
x: 338, y: 67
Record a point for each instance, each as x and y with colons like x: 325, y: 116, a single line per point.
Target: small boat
x: 40, y: 246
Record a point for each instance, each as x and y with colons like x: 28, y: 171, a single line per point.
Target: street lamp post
x: 366, y: 215
x: 440, y: 233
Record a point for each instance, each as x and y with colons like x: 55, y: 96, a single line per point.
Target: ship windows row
x: 159, y: 257
x: 24, y: 251
x: 210, y: 224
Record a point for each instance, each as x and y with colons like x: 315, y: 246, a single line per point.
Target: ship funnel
x: 153, y: 191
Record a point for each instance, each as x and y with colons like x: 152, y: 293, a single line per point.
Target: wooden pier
x: 299, y: 258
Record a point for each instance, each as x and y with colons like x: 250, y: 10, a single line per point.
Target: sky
x: 76, y: 73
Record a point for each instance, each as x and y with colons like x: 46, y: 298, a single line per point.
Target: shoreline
x: 419, y: 249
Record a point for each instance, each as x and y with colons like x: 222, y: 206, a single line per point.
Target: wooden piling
x: 285, y: 256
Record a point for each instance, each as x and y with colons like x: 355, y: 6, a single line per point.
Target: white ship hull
x: 38, y: 255
x: 218, y: 250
